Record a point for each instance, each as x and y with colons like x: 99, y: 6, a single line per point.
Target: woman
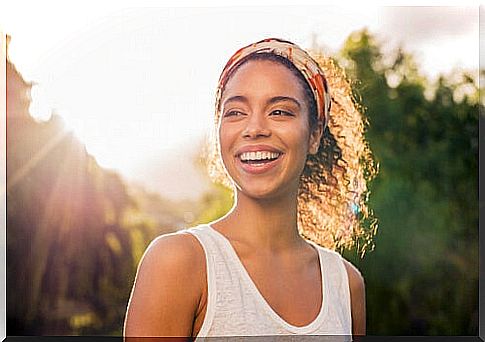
x: 298, y: 169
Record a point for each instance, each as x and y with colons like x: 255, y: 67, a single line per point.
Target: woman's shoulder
x: 357, y: 297
x: 178, y: 251
x: 168, y: 287
x: 327, y: 252
x: 356, y: 280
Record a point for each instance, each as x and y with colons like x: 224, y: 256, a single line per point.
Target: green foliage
x: 422, y: 277
x: 215, y: 204
x: 76, y: 232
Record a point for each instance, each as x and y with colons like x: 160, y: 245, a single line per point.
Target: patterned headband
x: 298, y: 57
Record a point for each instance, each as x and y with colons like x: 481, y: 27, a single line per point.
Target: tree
x: 422, y: 277
x: 70, y: 258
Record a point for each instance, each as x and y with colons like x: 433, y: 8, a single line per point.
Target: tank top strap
x: 213, y: 257
x: 235, y: 307
x: 226, y: 289
x: 338, y: 281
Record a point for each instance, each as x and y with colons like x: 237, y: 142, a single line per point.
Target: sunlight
x: 39, y: 109
x: 35, y: 159
x: 134, y: 83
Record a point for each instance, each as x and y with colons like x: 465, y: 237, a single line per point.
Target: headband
x: 309, y: 68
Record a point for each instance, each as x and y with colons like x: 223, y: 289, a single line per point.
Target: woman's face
x: 264, y: 130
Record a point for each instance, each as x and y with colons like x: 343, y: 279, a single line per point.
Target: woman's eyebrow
x: 237, y: 98
x: 284, y: 98
x: 240, y: 98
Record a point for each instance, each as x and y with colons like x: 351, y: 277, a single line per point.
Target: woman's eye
x: 233, y: 113
x: 279, y: 112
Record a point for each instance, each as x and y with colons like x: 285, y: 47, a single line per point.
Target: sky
x: 136, y: 84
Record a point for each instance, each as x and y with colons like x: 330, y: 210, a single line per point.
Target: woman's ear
x: 315, y: 137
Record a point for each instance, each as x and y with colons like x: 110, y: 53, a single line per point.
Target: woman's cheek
x: 226, y: 155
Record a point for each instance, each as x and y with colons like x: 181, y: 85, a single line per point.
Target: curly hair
x: 333, y: 195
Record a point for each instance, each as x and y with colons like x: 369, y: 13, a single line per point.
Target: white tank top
x: 235, y: 307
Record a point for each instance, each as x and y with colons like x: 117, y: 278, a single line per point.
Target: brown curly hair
x: 333, y: 193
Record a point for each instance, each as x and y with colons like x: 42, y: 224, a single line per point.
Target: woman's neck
x: 269, y: 224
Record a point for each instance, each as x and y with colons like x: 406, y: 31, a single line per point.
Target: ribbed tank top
x: 235, y: 307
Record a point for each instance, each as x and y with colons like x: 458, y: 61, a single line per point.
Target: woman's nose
x: 256, y: 127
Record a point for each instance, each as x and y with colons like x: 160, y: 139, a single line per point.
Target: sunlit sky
x: 136, y: 84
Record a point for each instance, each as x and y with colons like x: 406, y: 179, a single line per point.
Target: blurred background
x: 108, y: 110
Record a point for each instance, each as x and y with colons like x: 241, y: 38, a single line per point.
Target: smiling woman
x: 297, y: 160
x: 266, y: 102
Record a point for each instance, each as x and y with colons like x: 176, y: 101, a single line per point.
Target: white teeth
x: 260, y: 155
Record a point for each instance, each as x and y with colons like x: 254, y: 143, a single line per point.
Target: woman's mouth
x: 259, y: 161
x: 258, y: 157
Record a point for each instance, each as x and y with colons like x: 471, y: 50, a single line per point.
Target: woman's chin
x: 261, y: 193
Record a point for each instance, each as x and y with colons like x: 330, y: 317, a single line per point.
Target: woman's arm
x: 167, y: 289
x: 357, y: 298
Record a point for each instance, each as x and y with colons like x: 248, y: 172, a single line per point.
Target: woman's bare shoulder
x: 178, y: 251
x: 168, y: 287
x: 357, y: 298
x: 356, y: 280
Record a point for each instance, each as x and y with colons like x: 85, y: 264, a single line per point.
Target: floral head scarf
x: 298, y: 57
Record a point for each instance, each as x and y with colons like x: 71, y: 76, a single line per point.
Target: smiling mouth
x: 258, y: 158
